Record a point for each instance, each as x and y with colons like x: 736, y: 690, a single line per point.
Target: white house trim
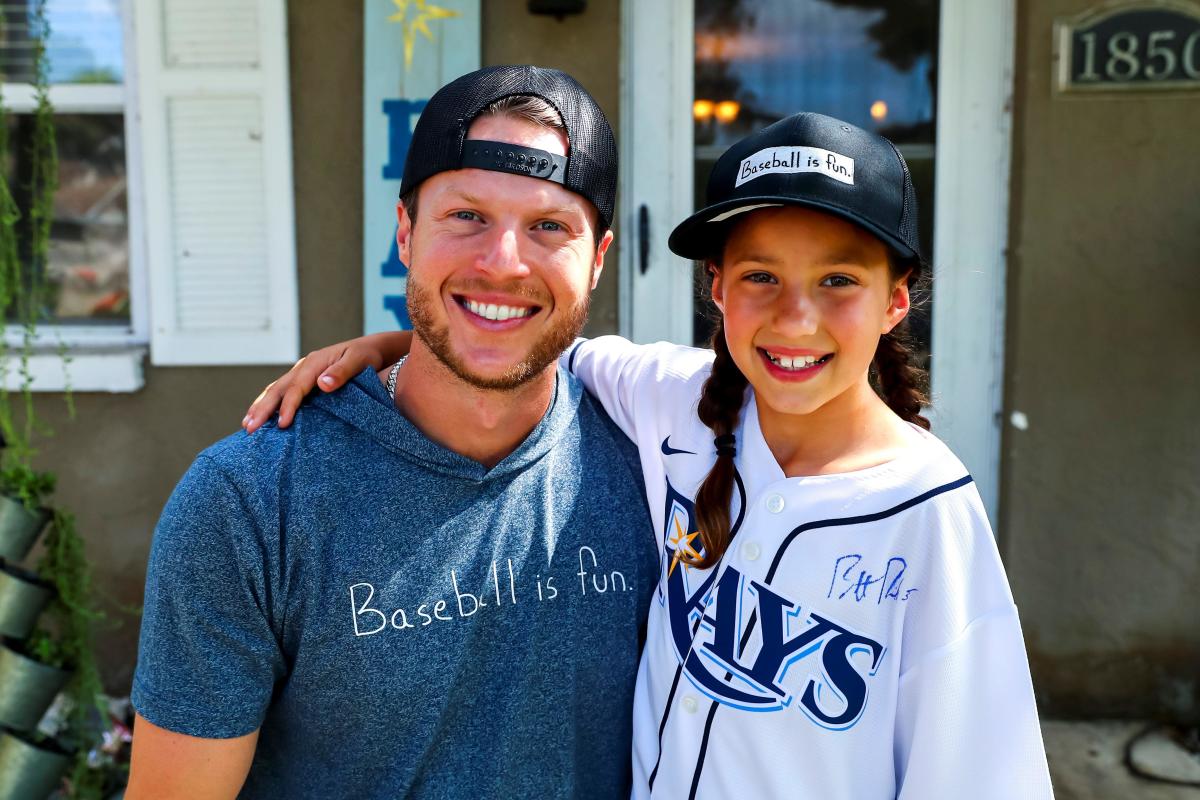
x: 974, y: 140
x: 86, y: 370
x: 655, y: 290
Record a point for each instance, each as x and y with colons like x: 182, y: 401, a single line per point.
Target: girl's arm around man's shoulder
x: 636, y: 383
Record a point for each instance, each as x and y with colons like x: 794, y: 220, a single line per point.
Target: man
x: 442, y: 602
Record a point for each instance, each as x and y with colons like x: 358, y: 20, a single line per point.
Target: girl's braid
x: 720, y: 401
x: 901, y: 384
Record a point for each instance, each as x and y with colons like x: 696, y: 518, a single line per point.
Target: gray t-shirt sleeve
x: 209, y: 655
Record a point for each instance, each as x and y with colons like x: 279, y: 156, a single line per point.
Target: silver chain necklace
x: 391, y: 381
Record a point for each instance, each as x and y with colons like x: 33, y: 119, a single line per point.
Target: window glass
x: 87, y: 277
x: 85, y: 43
x: 870, y: 62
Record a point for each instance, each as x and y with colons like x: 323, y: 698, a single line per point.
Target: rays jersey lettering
x: 737, y: 639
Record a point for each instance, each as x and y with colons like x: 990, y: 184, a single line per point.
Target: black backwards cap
x: 808, y: 160
x: 440, y: 144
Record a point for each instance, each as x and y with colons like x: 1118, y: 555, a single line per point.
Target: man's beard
x: 545, y: 351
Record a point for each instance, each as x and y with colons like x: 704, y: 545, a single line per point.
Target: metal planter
x: 19, y: 528
x: 27, y: 687
x: 29, y: 771
x: 23, y: 595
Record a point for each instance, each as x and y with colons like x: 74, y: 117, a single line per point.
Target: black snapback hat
x: 440, y: 144
x: 807, y: 160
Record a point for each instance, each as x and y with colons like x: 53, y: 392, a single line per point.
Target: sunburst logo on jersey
x: 424, y: 12
x: 681, y: 543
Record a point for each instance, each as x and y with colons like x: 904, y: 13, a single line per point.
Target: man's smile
x: 495, y: 311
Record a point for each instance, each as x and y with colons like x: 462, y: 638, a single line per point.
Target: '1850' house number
x: 1153, y: 45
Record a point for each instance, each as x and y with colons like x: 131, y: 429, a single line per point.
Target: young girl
x: 832, y: 618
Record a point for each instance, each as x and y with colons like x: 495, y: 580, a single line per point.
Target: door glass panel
x: 870, y: 62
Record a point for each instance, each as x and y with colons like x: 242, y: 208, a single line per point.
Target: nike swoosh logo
x: 670, y: 451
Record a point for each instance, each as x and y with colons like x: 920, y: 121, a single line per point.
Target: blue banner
x: 411, y: 48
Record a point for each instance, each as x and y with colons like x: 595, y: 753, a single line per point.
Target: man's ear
x: 898, y: 305
x: 601, y: 249
x: 718, y: 288
x: 403, y: 233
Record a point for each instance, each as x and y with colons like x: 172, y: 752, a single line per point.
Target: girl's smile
x: 789, y: 364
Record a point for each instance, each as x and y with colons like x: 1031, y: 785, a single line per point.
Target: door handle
x: 643, y: 239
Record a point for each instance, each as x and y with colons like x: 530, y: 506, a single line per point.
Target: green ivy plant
x: 64, y: 635
x: 23, y: 284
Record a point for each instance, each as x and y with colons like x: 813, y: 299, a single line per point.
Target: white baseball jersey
x: 857, y: 641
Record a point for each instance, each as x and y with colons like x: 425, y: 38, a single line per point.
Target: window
x: 173, y: 224
x: 88, y: 275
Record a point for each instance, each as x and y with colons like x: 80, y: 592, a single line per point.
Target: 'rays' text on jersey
x: 747, y: 646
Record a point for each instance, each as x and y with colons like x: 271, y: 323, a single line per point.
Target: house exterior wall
x: 1100, y: 497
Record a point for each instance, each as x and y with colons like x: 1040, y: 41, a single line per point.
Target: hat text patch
x: 796, y: 159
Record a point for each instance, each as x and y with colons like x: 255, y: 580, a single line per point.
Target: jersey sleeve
x: 208, y: 655
x: 966, y: 719
x: 967, y: 723
x: 631, y: 381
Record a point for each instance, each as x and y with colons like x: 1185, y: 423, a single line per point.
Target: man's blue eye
x: 549, y: 225
x: 466, y: 215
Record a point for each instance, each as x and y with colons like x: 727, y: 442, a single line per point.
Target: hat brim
x: 701, y: 238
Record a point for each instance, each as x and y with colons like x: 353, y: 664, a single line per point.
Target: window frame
x: 91, y: 341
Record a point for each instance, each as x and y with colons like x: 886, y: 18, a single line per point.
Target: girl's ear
x: 718, y: 288
x: 898, y: 305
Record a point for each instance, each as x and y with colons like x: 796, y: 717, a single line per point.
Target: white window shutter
x: 212, y: 89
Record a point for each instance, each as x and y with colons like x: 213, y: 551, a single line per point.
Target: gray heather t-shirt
x: 400, y: 621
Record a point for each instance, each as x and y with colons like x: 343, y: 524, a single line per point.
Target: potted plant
x: 56, y: 657
x: 61, y: 646
x: 30, y: 765
x: 32, y: 674
x: 23, y: 595
x: 22, y: 515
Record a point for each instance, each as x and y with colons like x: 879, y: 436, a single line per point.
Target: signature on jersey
x: 862, y: 584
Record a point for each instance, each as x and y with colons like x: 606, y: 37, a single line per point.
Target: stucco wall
x: 1101, y: 495
x: 119, y: 459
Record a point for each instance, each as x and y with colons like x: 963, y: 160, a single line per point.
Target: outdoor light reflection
x: 727, y: 110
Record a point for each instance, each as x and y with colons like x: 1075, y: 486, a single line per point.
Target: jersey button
x: 751, y: 551
x: 690, y: 705
x: 775, y: 503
